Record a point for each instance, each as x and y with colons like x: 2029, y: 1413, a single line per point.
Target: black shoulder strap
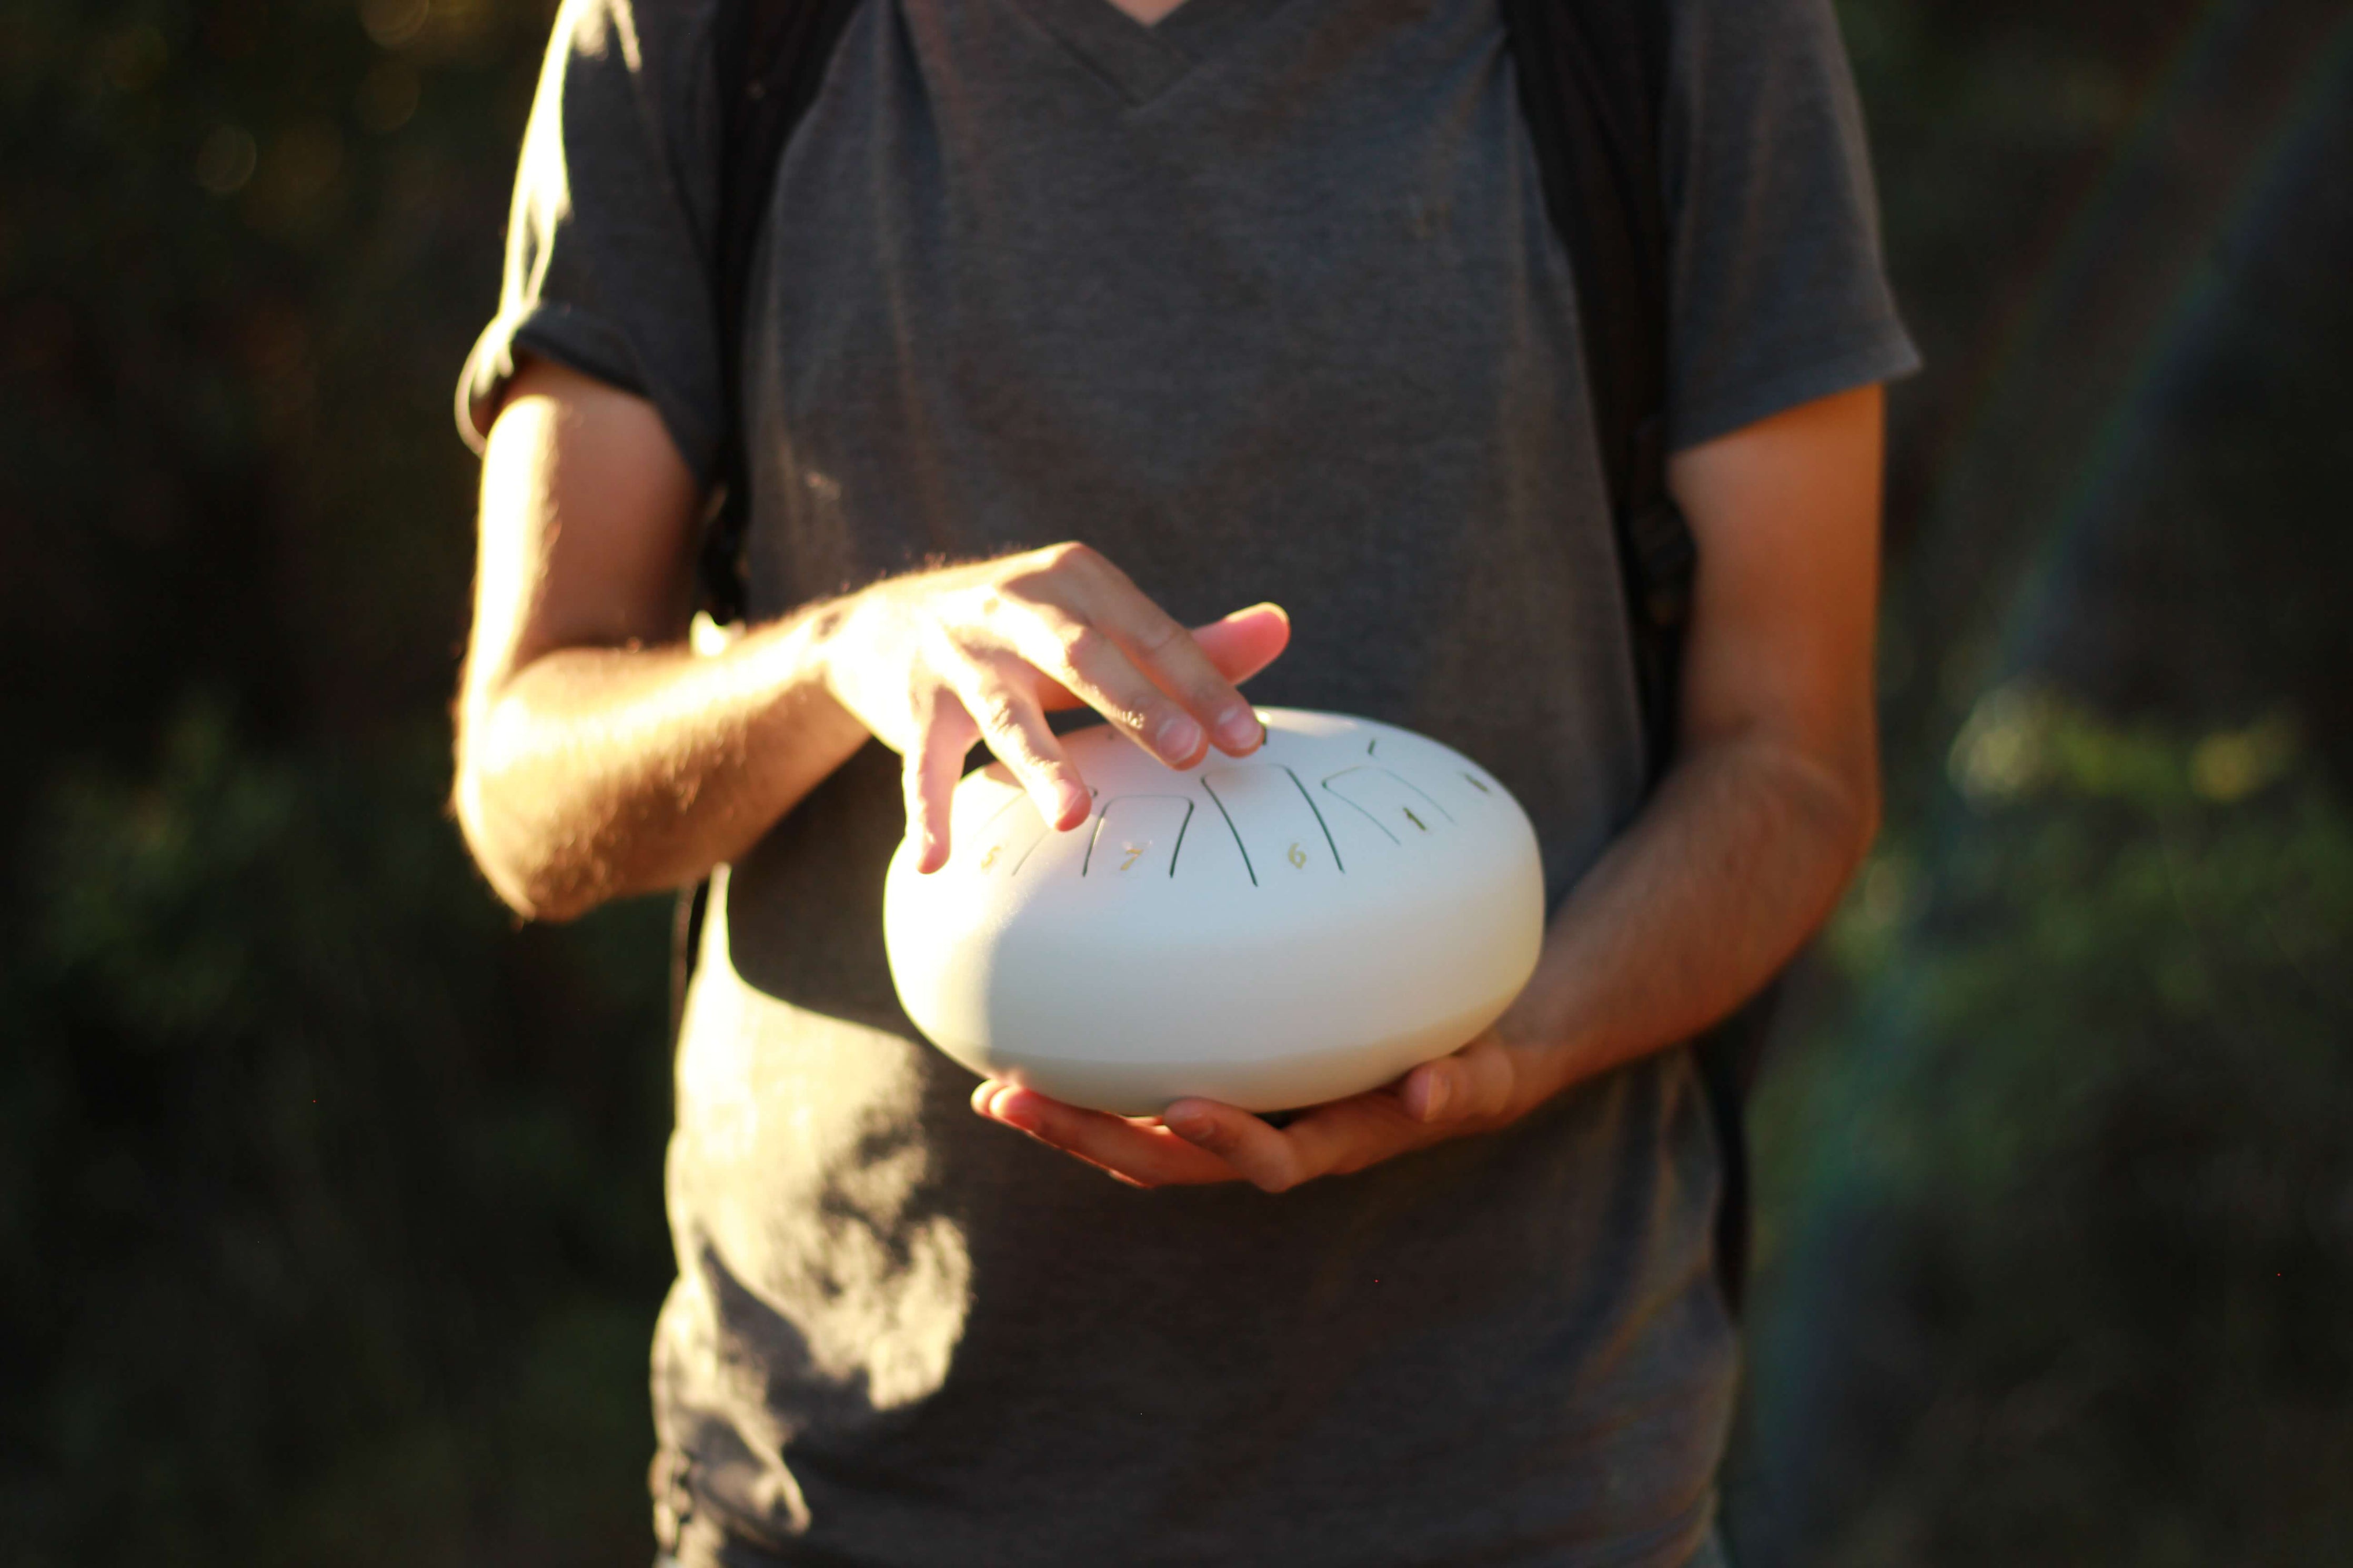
x: 1592, y: 80
x: 769, y: 58
x: 772, y: 56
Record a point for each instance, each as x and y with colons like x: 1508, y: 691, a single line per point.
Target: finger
x: 929, y: 775
x: 1084, y: 660
x: 1267, y: 1157
x: 1160, y: 647
x: 1010, y: 720
x: 1242, y: 643
x: 1329, y: 1141
x: 1475, y: 1084
x: 1053, y: 696
x: 1363, y: 1130
x: 1136, y: 1153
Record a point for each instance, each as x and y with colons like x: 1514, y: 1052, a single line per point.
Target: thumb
x: 1242, y: 643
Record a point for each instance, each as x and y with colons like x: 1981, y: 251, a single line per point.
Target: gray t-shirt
x: 1262, y: 302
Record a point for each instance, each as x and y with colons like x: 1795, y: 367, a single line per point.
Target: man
x: 1135, y: 319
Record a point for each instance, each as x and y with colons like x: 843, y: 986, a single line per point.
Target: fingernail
x: 1189, y: 1122
x: 1239, y: 729
x: 1070, y: 800
x: 1177, y: 738
x: 1434, y: 1100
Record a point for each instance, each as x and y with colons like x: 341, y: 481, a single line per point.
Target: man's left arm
x: 1734, y: 862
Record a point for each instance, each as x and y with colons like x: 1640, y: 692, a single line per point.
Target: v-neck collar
x: 1203, y: 27
x: 1143, y: 62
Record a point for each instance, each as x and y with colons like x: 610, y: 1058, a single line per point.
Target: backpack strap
x: 770, y: 56
x: 1592, y: 80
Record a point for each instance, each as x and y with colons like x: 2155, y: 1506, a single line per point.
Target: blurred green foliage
x: 329, y: 1209
x: 2056, y: 1193
x: 315, y: 1240
x: 2095, y: 1088
x: 331, y: 1220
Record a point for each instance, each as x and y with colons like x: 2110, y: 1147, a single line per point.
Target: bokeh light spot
x: 226, y: 161
x: 392, y: 23
x: 2234, y: 763
x: 135, y: 57
x: 387, y: 97
x: 2001, y: 753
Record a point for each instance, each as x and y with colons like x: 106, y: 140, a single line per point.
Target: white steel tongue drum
x: 1293, y: 927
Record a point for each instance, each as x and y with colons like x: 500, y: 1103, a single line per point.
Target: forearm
x: 594, y: 773
x: 1743, y: 850
x: 1734, y: 862
x: 599, y: 756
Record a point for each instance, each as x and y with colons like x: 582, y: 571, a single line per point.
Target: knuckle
x: 1157, y: 633
x: 1030, y: 766
x: 1070, y: 555
x: 1000, y: 714
x: 1082, y: 645
x: 942, y: 651
x: 1218, y: 1138
x: 1491, y: 1083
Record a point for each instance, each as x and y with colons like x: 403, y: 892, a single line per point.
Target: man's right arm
x: 598, y: 755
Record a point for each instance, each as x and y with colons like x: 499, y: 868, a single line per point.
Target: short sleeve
x: 611, y: 237
x: 1779, y: 294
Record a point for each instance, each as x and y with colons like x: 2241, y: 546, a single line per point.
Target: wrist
x: 1548, y: 1029
x: 827, y: 635
x: 794, y: 664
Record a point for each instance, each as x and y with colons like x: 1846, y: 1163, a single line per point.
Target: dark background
x: 331, y: 1227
